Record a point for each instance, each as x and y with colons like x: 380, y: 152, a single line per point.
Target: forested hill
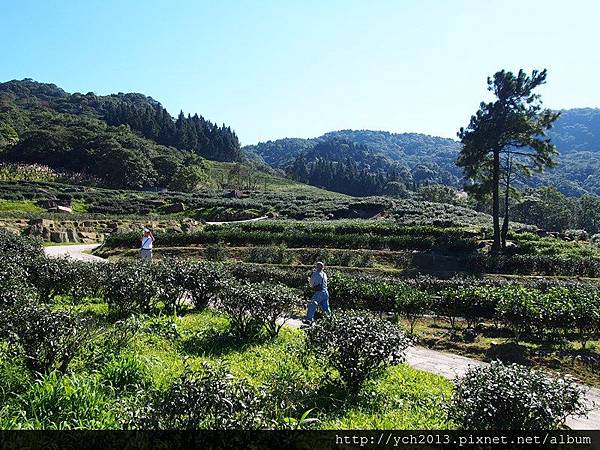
x: 421, y: 158
x: 103, y: 135
x: 577, y: 130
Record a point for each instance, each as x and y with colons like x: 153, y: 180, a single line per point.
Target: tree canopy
x: 506, y: 138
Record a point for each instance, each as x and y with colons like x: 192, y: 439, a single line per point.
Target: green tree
x: 439, y: 194
x: 505, y: 138
x: 189, y: 179
x: 8, y: 135
x: 588, y: 213
x: 547, y: 208
x: 166, y: 167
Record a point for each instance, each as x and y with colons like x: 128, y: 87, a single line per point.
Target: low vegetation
x: 152, y: 358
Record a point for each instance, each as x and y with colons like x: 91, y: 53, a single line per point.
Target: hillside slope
x: 431, y: 159
x: 119, y: 140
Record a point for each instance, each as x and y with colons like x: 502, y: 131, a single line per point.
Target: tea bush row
x: 300, y: 238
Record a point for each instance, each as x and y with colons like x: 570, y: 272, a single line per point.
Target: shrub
x: 472, y: 303
x: 169, y: 276
x: 216, y: 252
x: 57, y: 276
x: 22, y: 248
x: 14, y: 286
x: 130, y: 287
x: 274, y: 306
x: 576, y: 235
x: 517, y: 308
x: 358, y: 345
x: 47, y: 339
x: 513, y: 397
x: 208, y: 399
x: 250, y: 306
x: 204, y: 282
x: 273, y: 254
x: 412, y: 304
x: 16, y: 256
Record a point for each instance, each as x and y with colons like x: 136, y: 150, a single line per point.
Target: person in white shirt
x: 320, y: 297
x: 147, y: 241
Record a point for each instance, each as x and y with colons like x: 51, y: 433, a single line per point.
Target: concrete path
x: 454, y: 366
x: 445, y: 364
x: 256, y: 219
x: 79, y: 252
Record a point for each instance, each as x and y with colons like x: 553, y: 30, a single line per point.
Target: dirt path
x: 441, y: 363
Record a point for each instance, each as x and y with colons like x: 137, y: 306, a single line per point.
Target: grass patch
x: 25, y: 206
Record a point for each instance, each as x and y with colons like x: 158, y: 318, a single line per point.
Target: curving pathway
x: 256, y: 219
x: 445, y: 364
x: 80, y: 252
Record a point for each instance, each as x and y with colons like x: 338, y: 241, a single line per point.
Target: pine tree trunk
x: 504, y: 232
x: 496, y: 201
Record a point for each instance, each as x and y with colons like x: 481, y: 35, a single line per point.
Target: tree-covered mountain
x: 423, y: 159
x: 577, y: 130
x: 124, y: 140
x: 364, y: 162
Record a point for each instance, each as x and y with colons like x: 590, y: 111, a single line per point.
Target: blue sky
x: 299, y: 68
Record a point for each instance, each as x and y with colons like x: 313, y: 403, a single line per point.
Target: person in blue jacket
x: 320, y: 297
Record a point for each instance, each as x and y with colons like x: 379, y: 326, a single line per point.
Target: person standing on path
x: 147, y: 241
x: 320, y: 297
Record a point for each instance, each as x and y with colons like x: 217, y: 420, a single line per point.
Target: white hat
x: 146, y: 230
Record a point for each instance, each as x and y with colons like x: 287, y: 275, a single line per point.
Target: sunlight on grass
x: 26, y: 206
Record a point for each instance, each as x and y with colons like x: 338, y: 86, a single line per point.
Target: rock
x: 60, y: 209
x: 89, y: 237
x: 42, y: 222
x: 72, y: 235
x: 236, y: 194
x: 58, y: 236
x: 175, y: 208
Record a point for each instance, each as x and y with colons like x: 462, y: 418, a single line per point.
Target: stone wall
x: 89, y: 231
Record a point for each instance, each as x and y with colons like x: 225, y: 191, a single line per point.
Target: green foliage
x: 48, y: 340
x: 207, y: 399
x: 412, y: 304
x: 357, y: 345
x: 62, y: 402
x: 19, y: 247
x: 498, y: 397
x: 125, y: 373
x: 14, y: 377
x: 130, y: 287
x: 415, y: 158
x: 439, y: 194
x: 252, y: 306
x: 56, y: 277
x: 190, y: 179
x: 352, y: 235
x: 339, y: 165
x: 504, y: 138
x: 125, y: 140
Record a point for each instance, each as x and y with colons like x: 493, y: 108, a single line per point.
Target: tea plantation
x: 188, y: 344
